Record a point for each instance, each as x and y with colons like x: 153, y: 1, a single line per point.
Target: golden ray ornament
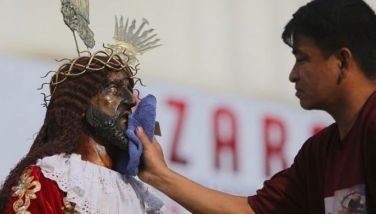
x: 131, y: 42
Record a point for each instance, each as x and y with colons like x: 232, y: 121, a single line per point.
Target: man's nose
x: 294, y: 75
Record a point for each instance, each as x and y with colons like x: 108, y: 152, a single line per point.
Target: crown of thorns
x: 97, y: 61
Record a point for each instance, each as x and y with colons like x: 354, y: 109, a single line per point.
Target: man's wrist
x: 162, y: 179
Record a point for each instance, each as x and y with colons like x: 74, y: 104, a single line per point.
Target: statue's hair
x: 63, y: 123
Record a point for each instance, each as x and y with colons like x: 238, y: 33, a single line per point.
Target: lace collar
x: 96, y: 189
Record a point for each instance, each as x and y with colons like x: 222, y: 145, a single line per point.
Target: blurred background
x: 228, y: 114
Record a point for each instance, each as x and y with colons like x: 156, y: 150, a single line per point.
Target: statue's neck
x: 93, y: 152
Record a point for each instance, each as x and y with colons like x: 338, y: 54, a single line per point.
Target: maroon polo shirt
x: 328, y: 175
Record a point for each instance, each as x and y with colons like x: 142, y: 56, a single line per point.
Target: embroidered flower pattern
x: 25, y: 190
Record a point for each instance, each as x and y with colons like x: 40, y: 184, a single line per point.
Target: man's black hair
x: 335, y: 24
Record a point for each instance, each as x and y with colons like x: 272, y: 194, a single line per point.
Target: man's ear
x: 344, y: 57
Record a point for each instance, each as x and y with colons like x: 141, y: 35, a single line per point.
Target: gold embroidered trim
x: 68, y: 207
x: 25, y: 190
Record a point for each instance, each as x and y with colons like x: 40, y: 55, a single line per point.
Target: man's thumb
x: 142, y: 136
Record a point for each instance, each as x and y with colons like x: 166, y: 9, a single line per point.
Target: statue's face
x: 116, y: 97
x: 108, y: 114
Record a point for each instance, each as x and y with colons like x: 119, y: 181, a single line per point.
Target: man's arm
x: 193, y: 196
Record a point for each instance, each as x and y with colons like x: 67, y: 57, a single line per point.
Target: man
x: 334, y: 42
x: 69, y: 166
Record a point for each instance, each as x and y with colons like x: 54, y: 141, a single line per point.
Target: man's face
x: 314, y: 75
x: 116, y: 97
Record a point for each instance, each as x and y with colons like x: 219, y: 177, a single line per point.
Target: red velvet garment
x: 43, y: 194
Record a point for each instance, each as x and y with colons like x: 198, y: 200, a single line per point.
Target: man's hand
x: 191, y: 195
x: 154, y: 165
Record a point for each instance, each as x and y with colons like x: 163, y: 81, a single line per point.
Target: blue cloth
x: 144, y: 116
